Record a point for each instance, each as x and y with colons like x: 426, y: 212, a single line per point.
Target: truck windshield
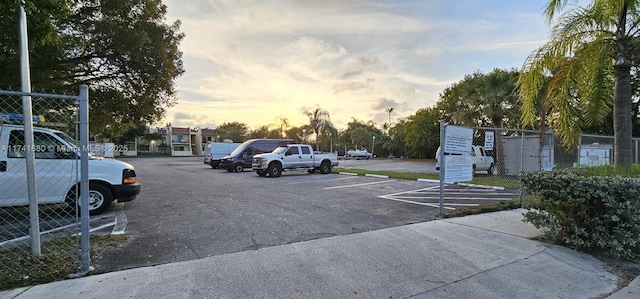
x: 240, y: 148
x: 280, y: 150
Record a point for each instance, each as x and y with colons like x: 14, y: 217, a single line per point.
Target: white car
x: 362, y: 153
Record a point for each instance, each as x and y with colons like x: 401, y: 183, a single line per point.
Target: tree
x: 361, y: 137
x: 422, y: 132
x: 235, y: 131
x: 318, y: 118
x: 590, y: 57
x: 284, y: 123
x: 482, y: 99
x: 485, y: 100
x: 122, y: 49
x: 388, y: 110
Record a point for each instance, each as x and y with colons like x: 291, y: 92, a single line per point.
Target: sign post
x: 457, y: 164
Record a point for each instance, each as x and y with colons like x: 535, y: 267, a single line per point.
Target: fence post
x: 34, y: 218
x: 83, y: 101
x: 442, y: 164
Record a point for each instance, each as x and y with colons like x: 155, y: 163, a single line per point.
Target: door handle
x: 3, y: 166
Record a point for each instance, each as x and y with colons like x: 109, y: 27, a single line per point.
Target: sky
x: 259, y: 61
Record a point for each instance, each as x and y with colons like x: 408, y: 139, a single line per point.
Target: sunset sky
x: 256, y: 61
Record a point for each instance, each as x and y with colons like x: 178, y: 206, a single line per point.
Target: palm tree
x: 488, y: 100
x: 389, y: 110
x: 284, y: 123
x: 590, y: 57
x: 318, y: 118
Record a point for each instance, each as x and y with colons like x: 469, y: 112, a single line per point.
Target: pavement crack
x: 476, y: 274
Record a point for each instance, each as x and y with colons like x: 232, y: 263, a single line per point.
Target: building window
x: 179, y: 138
x: 178, y: 148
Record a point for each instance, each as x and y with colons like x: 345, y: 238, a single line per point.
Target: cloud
x: 252, y: 61
x: 353, y: 86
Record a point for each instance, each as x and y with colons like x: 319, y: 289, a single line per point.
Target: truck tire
x: 261, y: 172
x: 490, y: 170
x: 274, y: 170
x: 325, y: 167
x: 238, y: 168
x: 215, y: 165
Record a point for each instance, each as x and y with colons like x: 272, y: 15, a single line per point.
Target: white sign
x: 458, y: 168
x: 488, y: 140
x: 458, y: 140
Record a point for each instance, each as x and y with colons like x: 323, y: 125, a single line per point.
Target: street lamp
x: 330, y: 124
x: 373, y: 146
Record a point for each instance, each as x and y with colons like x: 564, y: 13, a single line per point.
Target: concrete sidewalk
x: 481, y: 256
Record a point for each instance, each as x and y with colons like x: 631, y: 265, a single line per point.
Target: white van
x: 214, y: 151
x: 56, y: 167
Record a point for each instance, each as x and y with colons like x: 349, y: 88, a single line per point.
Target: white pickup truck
x: 57, y: 171
x: 481, y: 161
x: 293, y: 156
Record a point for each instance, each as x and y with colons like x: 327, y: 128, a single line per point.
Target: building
x: 174, y: 141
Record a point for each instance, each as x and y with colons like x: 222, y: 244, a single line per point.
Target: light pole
x: 330, y: 125
x: 373, y: 146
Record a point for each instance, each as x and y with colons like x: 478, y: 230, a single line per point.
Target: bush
x: 591, y: 213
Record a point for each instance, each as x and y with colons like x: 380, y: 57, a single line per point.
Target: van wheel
x: 274, y: 170
x: 325, y: 167
x: 100, y: 198
x: 239, y: 168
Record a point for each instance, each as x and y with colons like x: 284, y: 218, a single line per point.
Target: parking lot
x: 187, y: 210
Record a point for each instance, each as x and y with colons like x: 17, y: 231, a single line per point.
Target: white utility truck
x: 291, y: 157
x: 57, y: 171
x: 481, y: 161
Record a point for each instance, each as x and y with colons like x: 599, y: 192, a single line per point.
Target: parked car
x: 481, y: 161
x: 242, y: 156
x: 362, y: 153
x: 292, y: 157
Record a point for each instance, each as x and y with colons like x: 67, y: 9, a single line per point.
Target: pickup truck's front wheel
x: 274, y: 170
x: 325, y: 167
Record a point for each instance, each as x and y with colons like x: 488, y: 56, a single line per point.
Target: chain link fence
x: 500, y: 155
x: 42, y: 239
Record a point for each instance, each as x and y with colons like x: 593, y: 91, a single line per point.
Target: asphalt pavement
x: 489, y: 255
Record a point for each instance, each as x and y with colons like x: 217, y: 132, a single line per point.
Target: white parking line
x: 432, y: 193
x: 357, y: 185
x: 120, y: 223
x: 434, y: 205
